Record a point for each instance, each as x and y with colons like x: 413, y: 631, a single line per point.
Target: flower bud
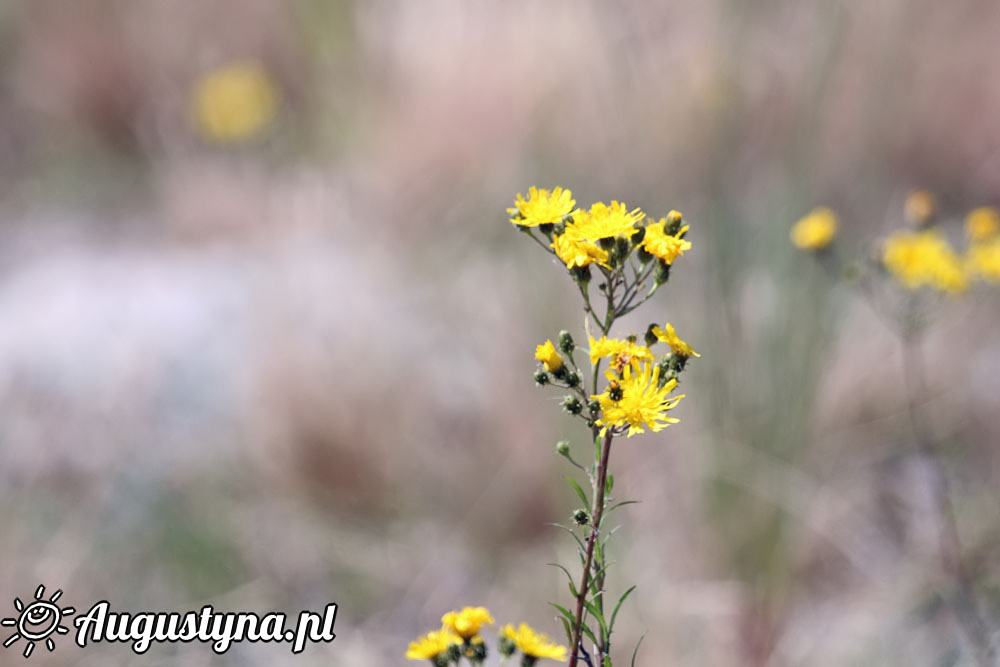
x: 541, y: 378
x: 566, y: 345
x: 662, y: 273
x: 506, y: 646
x: 650, y: 337
x: 581, y: 274
x: 572, y: 405
x: 572, y: 379
x: 581, y: 518
x: 673, y: 224
x: 562, y: 448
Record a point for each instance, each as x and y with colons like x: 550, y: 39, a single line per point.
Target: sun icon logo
x: 37, y: 621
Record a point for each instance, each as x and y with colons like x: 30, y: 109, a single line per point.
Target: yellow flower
x: 466, y: 623
x: 622, y: 352
x: 919, y: 207
x: 924, y: 259
x: 641, y: 402
x: 982, y: 223
x: 548, y: 355
x: 579, y: 253
x: 542, y: 207
x: 816, y: 230
x: 984, y: 260
x: 432, y: 644
x: 533, y: 644
x: 670, y: 337
x: 603, y: 221
x: 662, y: 245
x: 233, y: 103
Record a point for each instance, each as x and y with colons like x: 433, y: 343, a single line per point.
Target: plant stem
x: 949, y: 543
x: 597, y: 513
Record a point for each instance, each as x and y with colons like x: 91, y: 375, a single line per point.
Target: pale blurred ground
x: 298, y: 370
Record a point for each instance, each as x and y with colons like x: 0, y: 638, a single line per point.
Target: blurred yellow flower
x: 637, y: 401
x: 603, y: 221
x: 983, y: 260
x: 533, y: 644
x: 432, y: 644
x: 662, y: 245
x: 467, y: 623
x: 982, y: 223
x: 547, y: 354
x: 622, y: 352
x: 233, y: 103
x: 542, y: 207
x: 924, y: 259
x: 816, y: 230
x: 579, y: 253
x: 670, y: 337
x: 919, y: 207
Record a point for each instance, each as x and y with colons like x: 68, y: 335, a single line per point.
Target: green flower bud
x: 562, y: 448
x: 581, y: 274
x: 662, y: 273
x: 475, y: 650
x: 638, y: 236
x: 622, y: 248
x: 581, y: 517
x: 528, y: 661
x: 506, y: 647
x: 644, y: 257
x: 650, y: 337
x: 572, y: 405
x: 607, y: 243
x: 566, y: 344
x: 572, y: 379
x: 674, y: 222
x: 594, y: 407
x: 561, y: 373
x: 541, y: 378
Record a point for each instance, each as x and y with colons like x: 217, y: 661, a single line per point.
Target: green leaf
x: 618, y: 606
x: 592, y: 608
x: 610, y: 484
x: 579, y: 542
x: 619, y: 504
x: 579, y: 492
x: 636, y: 650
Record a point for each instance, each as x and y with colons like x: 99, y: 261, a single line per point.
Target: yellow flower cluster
x: 638, y: 395
x: 581, y: 237
x: 924, y: 259
x: 459, y: 637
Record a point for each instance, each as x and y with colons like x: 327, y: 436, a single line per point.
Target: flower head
x: 533, y: 644
x: 547, y: 354
x: 982, y: 223
x: 467, y: 623
x: 233, y: 103
x: 816, y: 230
x: 924, y: 259
x: 542, y: 207
x: 622, y: 352
x: 667, y: 247
x: 638, y: 401
x: 579, y: 253
x: 919, y: 207
x: 432, y: 644
x: 670, y: 337
x: 983, y: 260
x: 603, y: 221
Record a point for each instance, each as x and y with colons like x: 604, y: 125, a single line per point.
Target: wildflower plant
x: 620, y: 384
x: 904, y: 280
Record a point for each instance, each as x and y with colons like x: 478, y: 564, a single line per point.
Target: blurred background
x: 267, y: 335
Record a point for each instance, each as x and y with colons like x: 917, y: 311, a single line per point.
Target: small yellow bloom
x: 432, y: 644
x: 982, y: 223
x: 924, y: 259
x: 547, y: 354
x: 579, y: 253
x: 467, y: 623
x: 533, y: 644
x: 662, y: 245
x: 622, y: 352
x: 542, y: 207
x: 603, y: 221
x: 919, y: 207
x: 641, y: 402
x: 984, y: 260
x: 816, y: 230
x: 233, y: 103
x: 670, y: 337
